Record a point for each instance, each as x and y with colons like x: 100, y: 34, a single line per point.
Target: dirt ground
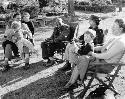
x: 41, y: 82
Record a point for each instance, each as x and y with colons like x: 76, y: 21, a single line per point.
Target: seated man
x: 50, y: 45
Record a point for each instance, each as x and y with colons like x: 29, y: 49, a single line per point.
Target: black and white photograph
x: 62, y: 49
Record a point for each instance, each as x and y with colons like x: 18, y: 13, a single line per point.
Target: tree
x: 43, y: 3
x: 71, y: 7
x: 120, y: 5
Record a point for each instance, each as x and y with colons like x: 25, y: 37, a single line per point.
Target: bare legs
x: 79, y: 69
x: 73, y: 77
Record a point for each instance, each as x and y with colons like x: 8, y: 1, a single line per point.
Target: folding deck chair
x: 94, y: 75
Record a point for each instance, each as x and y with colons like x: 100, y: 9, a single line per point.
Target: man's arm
x: 26, y: 30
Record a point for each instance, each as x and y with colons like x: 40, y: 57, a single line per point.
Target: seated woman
x: 112, y: 52
x: 94, y: 23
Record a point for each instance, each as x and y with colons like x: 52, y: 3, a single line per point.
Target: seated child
x: 82, y: 50
x: 88, y: 45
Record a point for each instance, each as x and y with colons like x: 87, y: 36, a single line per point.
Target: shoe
x: 50, y: 63
x: 5, y: 68
x: 26, y: 67
x: 67, y: 85
x: 66, y: 67
x: 17, y: 59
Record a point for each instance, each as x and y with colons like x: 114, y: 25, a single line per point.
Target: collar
x: 94, y: 28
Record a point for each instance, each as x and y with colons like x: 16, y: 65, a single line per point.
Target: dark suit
x: 99, y: 36
x: 55, y: 41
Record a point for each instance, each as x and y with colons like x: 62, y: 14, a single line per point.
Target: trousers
x: 9, y: 47
x: 48, y: 49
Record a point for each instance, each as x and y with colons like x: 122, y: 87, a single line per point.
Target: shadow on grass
x: 16, y: 73
x: 48, y: 88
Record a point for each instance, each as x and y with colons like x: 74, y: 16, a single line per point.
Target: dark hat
x: 94, y: 18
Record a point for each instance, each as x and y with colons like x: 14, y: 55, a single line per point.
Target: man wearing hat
x: 49, y: 46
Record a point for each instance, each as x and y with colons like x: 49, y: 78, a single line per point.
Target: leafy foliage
x: 32, y: 10
x: 94, y: 2
x: 101, y: 2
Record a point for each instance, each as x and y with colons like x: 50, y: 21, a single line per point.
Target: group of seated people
x: 110, y: 52
x: 62, y: 32
x: 18, y: 39
x: 80, y: 51
x: 88, y: 48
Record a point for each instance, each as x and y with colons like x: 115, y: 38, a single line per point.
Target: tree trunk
x: 71, y: 12
x: 120, y: 5
x: 71, y: 7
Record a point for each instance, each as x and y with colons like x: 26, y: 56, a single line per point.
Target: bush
x: 98, y: 3
x: 32, y: 10
x: 96, y: 8
x: 84, y: 3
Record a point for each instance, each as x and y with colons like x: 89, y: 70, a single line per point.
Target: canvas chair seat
x: 101, y: 68
x: 110, y: 72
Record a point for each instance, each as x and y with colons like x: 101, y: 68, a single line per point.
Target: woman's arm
x: 115, y: 49
x: 102, y: 48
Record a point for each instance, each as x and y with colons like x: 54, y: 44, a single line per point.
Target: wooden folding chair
x: 94, y: 75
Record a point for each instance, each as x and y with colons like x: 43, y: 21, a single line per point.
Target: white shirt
x: 114, y: 51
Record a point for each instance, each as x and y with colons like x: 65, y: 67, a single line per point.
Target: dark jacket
x: 99, y: 36
x: 71, y: 34
x: 85, y: 49
x: 60, y: 33
x: 30, y: 26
